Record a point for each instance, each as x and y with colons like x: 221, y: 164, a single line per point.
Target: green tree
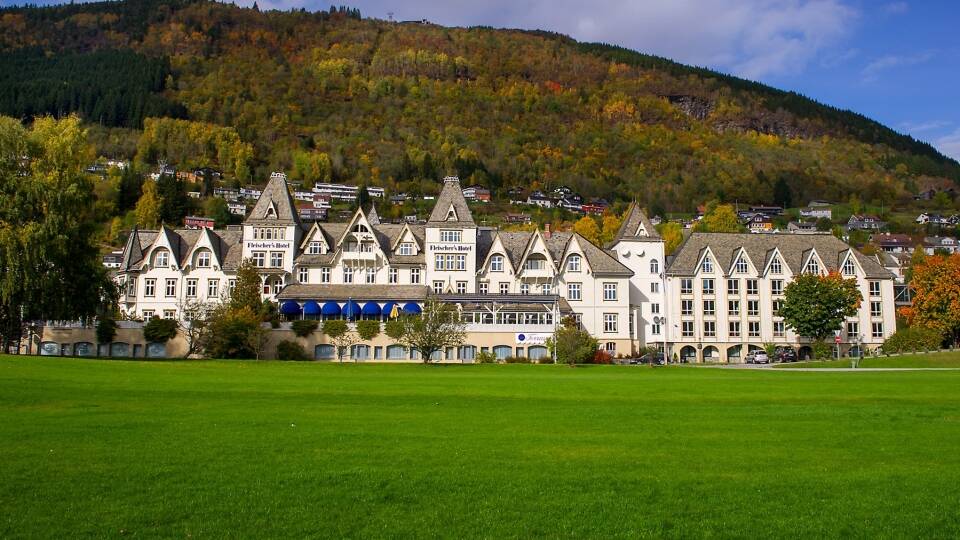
x: 782, y: 194
x: 340, y: 335
x: 437, y: 327
x: 174, y: 202
x: 587, y: 227
x: 572, y: 345
x: 672, y: 235
x: 816, y: 306
x: 368, y: 329
x: 719, y: 218
x: 246, y: 290
x: 216, y: 209
x: 159, y: 330
x: 148, y: 207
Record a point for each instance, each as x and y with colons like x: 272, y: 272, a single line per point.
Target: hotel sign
x: 450, y: 248
x: 260, y: 244
x: 532, y: 338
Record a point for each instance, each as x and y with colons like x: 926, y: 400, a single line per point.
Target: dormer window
x: 360, y: 228
x: 496, y: 263
x: 203, y: 259
x: 161, y: 259
x: 573, y: 263
x: 813, y: 267
x: 776, y: 267
x: 271, y: 212
x: 707, y: 264
x: 314, y: 248
x: 741, y: 266
x: 406, y: 248
x: 451, y: 214
x: 535, y: 262
x: 849, y: 269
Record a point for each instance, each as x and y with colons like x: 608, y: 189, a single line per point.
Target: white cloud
x: 920, y: 127
x: 751, y: 38
x: 949, y: 144
x: 896, y: 8
x: 872, y: 70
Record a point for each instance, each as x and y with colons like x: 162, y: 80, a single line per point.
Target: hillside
x: 330, y: 95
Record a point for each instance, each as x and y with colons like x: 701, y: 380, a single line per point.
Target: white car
x: 760, y: 357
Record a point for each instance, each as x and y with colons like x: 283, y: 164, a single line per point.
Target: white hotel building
x: 715, y: 300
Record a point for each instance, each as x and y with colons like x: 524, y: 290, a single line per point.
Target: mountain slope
x: 330, y: 95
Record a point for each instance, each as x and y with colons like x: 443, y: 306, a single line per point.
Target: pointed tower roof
x: 451, y: 209
x: 132, y: 251
x: 372, y: 217
x: 275, y: 205
x: 636, y: 226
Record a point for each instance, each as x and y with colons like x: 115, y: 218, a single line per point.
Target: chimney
x: 546, y: 231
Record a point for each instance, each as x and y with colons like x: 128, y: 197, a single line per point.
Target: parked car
x: 655, y: 358
x: 760, y: 357
x: 785, y: 354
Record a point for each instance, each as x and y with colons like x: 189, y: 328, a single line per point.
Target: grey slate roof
x: 359, y: 293
x: 793, y: 248
x: 451, y: 194
x: 631, y: 224
x: 275, y: 193
x: 515, y: 244
x: 226, y: 246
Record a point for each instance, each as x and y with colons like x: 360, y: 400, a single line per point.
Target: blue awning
x: 311, y: 308
x: 351, y: 310
x: 411, y: 308
x: 330, y: 309
x: 290, y: 308
x: 371, y: 308
x: 388, y: 308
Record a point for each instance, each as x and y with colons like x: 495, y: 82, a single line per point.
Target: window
x: 371, y: 276
x: 232, y: 284
x: 314, y: 248
x: 686, y: 286
x: 655, y: 287
x: 573, y: 263
x: 536, y: 262
x: 447, y: 235
x: 148, y: 314
x: 461, y: 262
x: 302, y: 274
x: 348, y: 275
x: 393, y: 275
x: 734, y: 328
x: 524, y: 288
x: 573, y: 291
x: 504, y: 288
x: 654, y: 266
x: 876, y: 309
x: 849, y: 269
x: 324, y: 274
x: 171, y: 287
x: 259, y: 258
x: 853, y: 329
x: 161, y: 259
x: 776, y: 305
x: 496, y: 263
x: 779, y: 329
x: 877, y: 329
x: 707, y: 285
x: 169, y: 314
x: 415, y: 276
x: 484, y: 286
x: 776, y: 287
x: 655, y: 329
x: 753, y: 287
x: 439, y: 261
x: 406, y: 248
x: 203, y: 259
x: 733, y: 286
x: 213, y: 288
x: 655, y: 309
x: 609, y: 292
x: 813, y: 266
x: 437, y: 287
x: 874, y: 288
x: 776, y: 267
x: 686, y: 328
x: 707, y: 264
x: 709, y: 328
x: 733, y: 307
x: 132, y: 286
x: 686, y: 307
x: 741, y: 265
x: 461, y: 287
x: 277, y: 285
x: 709, y: 307
x: 609, y: 323
x: 753, y: 328
x: 753, y: 308
x: 191, y: 288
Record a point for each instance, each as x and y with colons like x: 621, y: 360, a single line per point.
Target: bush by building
x: 912, y: 339
x: 291, y: 350
x: 304, y: 328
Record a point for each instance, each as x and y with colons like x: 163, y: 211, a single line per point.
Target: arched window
x: 360, y: 228
x: 573, y: 263
x: 741, y: 266
x: 203, y: 258
x: 535, y: 262
x: 496, y: 263
x: 654, y: 266
x: 161, y: 258
x: 707, y: 264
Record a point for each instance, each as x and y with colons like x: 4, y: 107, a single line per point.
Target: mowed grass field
x: 946, y: 359
x: 95, y: 448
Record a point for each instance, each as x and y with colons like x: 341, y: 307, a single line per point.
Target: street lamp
x: 662, y: 322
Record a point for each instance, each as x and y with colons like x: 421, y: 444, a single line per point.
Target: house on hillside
x: 760, y: 223
x: 865, y: 222
x: 771, y: 211
x: 893, y: 243
x: 197, y: 222
x: 816, y: 212
x: 944, y: 243
x: 802, y: 227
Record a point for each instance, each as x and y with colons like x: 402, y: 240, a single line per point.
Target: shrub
x: 516, y: 360
x: 601, y: 356
x: 394, y: 328
x: 334, y: 327
x: 368, y: 330
x: 821, y: 350
x: 106, y: 330
x: 485, y: 357
x: 304, y: 328
x: 913, y: 339
x: 291, y: 350
x: 160, y: 330
x: 544, y: 360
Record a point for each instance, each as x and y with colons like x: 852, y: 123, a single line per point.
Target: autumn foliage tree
x: 936, y: 295
x: 815, y: 306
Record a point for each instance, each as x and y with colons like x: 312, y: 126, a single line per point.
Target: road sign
x: 836, y: 340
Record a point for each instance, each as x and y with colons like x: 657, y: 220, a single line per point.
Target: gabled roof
x: 225, y: 244
x: 451, y: 198
x: 636, y: 226
x: 274, y: 201
x: 132, y: 251
x: 794, y: 250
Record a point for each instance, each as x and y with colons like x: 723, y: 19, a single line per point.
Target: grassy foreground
x: 932, y: 360
x: 214, y: 449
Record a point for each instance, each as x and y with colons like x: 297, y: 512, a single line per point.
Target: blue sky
x: 897, y: 61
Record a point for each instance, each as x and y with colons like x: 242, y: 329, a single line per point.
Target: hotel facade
x: 511, y: 288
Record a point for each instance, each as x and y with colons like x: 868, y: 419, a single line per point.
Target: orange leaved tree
x: 935, y: 283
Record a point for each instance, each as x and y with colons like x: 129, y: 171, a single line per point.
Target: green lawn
x: 245, y: 449
x: 932, y: 360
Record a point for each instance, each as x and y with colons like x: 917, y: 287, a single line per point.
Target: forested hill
x: 330, y: 95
